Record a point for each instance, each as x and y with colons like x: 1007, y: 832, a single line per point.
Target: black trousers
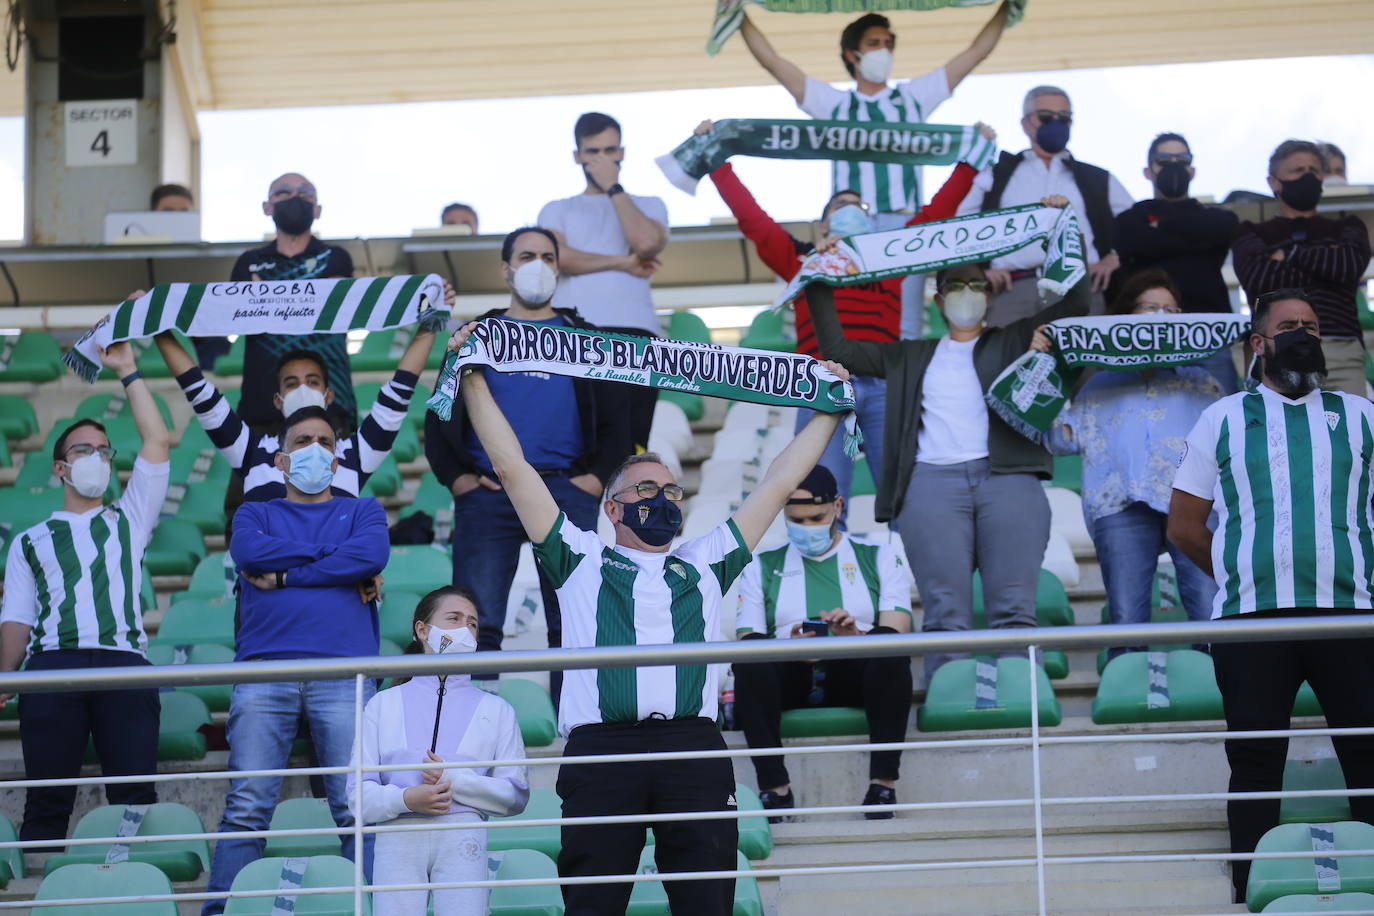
x: 639, y: 399
x: 1259, y: 682
x: 54, y: 729
x: 882, y: 686
x: 660, y: 787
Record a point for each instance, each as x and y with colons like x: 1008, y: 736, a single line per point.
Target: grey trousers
x: 1023, y: 300
x: 960, y: 517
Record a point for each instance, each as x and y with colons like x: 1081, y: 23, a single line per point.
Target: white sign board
x: 101, y: 133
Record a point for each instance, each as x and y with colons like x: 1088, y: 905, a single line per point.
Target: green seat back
x: 203, y: 506
x: 1271, y: 879
x: 766, y: 333
x: 431, y: 497
x: 692, y: 405
x: 863, y: 484
x: 688, y: 326
x: 6, y: 459
x: 126, y: 879
x: 303, y: 814
x: 1052, y: 607
x: 385, y: 481
x: 1314, y: 903
x: 212, y: 579
x: 1123, y: 695
x: 175, y: 548
x: 21, y: 507
x: 418, y: 568
x: 649, y: 898
x: 320, y: 871
x: 376, y: 353
x: 36, y: 357
x: 951, y: 698
x: 11, y: 859
x: 231, y: 363
x: 396, y: 614
x: 936, y: 326
x: 1362, y: 307
x: 179, y: 860
x: 1325, y: 773
x: 824, y: 721
x: 216, y: 697
x: 755, y: 833
x: 533, y: 710
x: 543, y: 803
x: 366, y: 392
x: 97, y: 407
x: 197, y: 620
x: 533, y: 900
x: 179, y: 735
x: 150, y: 361
x: 17, y: 418
x: 1306, y: 704
x: 1068, y: 473
x: 407, y: 445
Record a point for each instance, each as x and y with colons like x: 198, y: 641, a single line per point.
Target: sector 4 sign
x: 101, y: 133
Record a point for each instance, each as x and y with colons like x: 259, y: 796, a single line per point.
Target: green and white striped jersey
x: 886, y: 187
x: 617, y: 596
x: 1290, y: 482
x: 783, y: 588
x: 75, y: 578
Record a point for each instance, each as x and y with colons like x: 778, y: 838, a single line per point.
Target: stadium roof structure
x: 250, y: 54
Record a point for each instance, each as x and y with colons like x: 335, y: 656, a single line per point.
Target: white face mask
x: 1334, y: 181
x: 876, y: 65
x: 442, y: 642
x: 301, y: 396
x: 90, y: 475
x: 534, y: 282
x: 965, y: 308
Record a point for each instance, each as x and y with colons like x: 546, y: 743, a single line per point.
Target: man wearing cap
x: 823, y: 583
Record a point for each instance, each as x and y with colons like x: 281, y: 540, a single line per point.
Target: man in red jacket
x: 868, y: 311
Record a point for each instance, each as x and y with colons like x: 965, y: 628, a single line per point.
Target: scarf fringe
x: 1013, y: 419
x: 676, y: 174
x: 83, y: 367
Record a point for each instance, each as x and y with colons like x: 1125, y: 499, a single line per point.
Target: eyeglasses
x: 85, y: 451
x: 977, y: 286
x: 647, y: 489
x: 1046, y: 115
x: 1170, y: 158
x: 1157, y: 308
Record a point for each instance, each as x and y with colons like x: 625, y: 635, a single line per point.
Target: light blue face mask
x: 312, y: 468
x: 811, y: 540
x: 850, y: 220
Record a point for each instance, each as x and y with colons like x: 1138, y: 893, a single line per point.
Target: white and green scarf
x: 945, y: 243
x: 730, y: 13
x: 736, y: 373
x: 849, y: 141
x: 265, y: 307
x: 1032, y: 391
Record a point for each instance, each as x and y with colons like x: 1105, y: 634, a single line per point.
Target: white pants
x: 438, y: 856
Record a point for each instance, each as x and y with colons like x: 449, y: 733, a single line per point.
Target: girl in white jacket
x: 433, y: 719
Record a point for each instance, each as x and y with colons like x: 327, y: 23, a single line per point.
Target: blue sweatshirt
x: 325, y: 549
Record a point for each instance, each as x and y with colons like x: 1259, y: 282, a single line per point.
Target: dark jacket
x: 904, y: 363
x: 601, y: 406
x: 1186, y: 240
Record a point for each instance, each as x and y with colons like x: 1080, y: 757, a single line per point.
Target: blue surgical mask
x: 1052, y: 136
x: 312, y: 468
x: 811, y: 540
x: 849, y: 220
x: 654, y: 521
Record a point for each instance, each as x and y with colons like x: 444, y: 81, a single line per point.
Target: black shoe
x: 773, y: 800
x: 879, y: 795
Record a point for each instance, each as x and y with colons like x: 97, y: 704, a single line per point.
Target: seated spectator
x: 1129, y: 426
x: 308, y: 568
x: 431, y: 719
x: 72, y: 586
x: 1184, y: 238
x: 171, y: 197
x: 963, y: 486
x: 1300, y: 249
x: 790, y: 592
x: 1047, y: 168
x: 459, y: 215
x: 1333, y: 175
x: 868, y: 311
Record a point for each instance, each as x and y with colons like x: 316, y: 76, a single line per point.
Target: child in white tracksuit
x: 460, y: 722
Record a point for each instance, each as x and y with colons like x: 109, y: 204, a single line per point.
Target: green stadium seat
x: 6, y: 460
x: 755, y: 834
x: 406, y: 448
x: 952, y: 700
x: 1068, y: 473
x: 418, y: 568
x: 1124, y: 693
x: 303, y: 814
x: 320, y: 871
x: 543, y: 804
x: 196, y: 621
x: 179, y: 860
x: 23, y: 507
x: 216, y: 697
x: 388, y: 647
x: 824, y: 721
x: 1271, y: 879
x: 203, y: 506
x: 397, y: 614
x: 34, y: 357
x: 98, y: 407
x: 385, y: 481
x: 380, y: 352
x: 1320, y: 903
x: 531, y: 900
x: 366, y: 393
x: 175, y: 548
x: 17, y: 419
x: 936, y: 326
x: 213, y: 579
x: 1362, y: 307
x: 12, y: 859
x: 231, y: 363
x: 134, y: 880
x: 692, y: 405
x: 1325, y: 773
x: 533, y: 710
x: 179, y: 735
x: 688, y: 326
x: 649, y: 898
x: 1306, y: 704
x: 150, y: 361
x: 1052, y: 609
x: 432, y: 497
x: 863, y: 484
x: 766, y: 333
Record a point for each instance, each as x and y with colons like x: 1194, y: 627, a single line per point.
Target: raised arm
x: 784, y: 71
x: 151, y: 430
x: 775, y: 245
x: 961, y: 64
x: 787, y: 470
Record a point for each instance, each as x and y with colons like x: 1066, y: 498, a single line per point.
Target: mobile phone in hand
x: 816, y: 627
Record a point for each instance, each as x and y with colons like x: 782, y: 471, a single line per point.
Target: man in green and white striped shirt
x: 72, y: 587
x: 641, y: 591
x: 1289, y: 469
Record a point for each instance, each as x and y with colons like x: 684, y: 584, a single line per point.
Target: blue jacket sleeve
x: 362, y: 556
x: 257, y: 552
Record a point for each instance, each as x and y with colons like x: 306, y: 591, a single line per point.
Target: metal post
x: 358, y: 793
x: 1035, y: 779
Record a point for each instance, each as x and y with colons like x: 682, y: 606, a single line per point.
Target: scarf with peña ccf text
x: 736, y: 373
x: 851, y: 141
x: 1031, y: 391
x: 263, y: 307
x: 730, y: 13
x: 937, y: 245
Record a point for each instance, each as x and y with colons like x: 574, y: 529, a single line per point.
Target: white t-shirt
x: 954, y: 416
x: 608, y: 298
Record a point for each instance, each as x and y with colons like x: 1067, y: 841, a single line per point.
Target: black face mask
x: 1172, y: 180
x: 1302, y: 193
x: 654, y: 521
x: 293, y: 215
x: 1294, y: 356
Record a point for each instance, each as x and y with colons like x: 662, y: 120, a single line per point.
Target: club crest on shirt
x: 643, y: 514
x: 1333, y: 420
x: 849, y: 570
x: 676, y: 567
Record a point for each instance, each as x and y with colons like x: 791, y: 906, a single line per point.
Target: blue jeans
x: 1128, y: 546
x: 870, y: 397
x: 262, y: 724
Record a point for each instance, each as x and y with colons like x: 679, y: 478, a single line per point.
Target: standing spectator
x: 1333, y: 175
x: 1047, y: 168
x: 431, y: 719
x: 610, y: 241
x: 174, y: 197
x: 1129, y: 426
x: 821, y: 581
x: 459, y: 215
x: 308, y: 565
x: 1287, y: 469
x: 1300, y: 249
x: 868, y: 311
x: 641, y: 592
x: 572, y: 430
x: 963, y: 486
x: 72, y: 587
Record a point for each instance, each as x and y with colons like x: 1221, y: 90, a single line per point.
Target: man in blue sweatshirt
x: 307, y: 563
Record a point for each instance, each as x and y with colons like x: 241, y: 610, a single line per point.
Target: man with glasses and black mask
x: 1299, y: 248
x: 1047, y: 168
x: 1287, y: 469
x: 1182, y: 237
